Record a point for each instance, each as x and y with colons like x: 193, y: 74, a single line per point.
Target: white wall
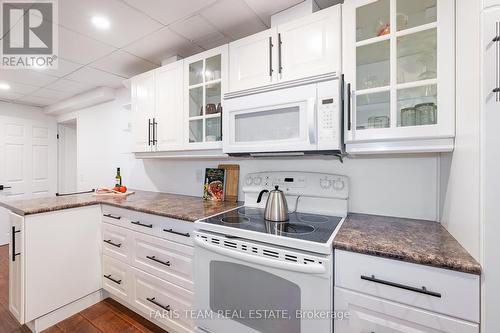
x: 67, y: 158
x: 399, y: 186
x: 460, y: 170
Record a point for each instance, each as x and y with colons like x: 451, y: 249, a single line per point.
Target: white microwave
x: 291, y: 121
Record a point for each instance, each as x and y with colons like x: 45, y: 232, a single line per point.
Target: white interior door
x: 27, y: 162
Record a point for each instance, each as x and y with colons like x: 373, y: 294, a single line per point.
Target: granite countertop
x: 415, y: 241
x: 182, y: 207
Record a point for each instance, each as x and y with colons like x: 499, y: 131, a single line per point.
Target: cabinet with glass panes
x: 398, y: 65
x: 205, y: 76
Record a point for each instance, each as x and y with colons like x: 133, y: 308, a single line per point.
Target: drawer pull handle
x: 166, y: 263
x: 111, y: 216
x: 177, y: 233
x: 153, y: 300
x: 141, y: 224
x: 111, y: 243
x: 422, y: 290
x: 110, y: 278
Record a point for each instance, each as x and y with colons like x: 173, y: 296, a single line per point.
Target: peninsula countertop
x: 415, y: 241
x: 182, y: 207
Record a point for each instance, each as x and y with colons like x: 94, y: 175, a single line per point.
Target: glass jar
x: 425, y: 114
x: 408, y: 117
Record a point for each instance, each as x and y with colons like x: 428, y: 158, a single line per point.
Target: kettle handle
x: 260, y: 195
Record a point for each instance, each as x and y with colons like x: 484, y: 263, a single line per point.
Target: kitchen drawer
x: 168, y: 260
x: 163, y: 227
x: 372, y: 314
x: 117, y: 278
x: 437, y: 290
x: 163, y: 301
x: 116, y: 242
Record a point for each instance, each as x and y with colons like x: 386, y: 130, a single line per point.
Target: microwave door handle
x: 235, y: 254
x: 311, y: 119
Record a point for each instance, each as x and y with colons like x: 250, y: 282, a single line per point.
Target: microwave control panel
x: 328, y: 116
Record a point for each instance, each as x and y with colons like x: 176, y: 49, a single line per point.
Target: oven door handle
x: 302, y: 268
x: 311, y: 119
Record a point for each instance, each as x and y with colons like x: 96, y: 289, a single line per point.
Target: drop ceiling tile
x: 81, y: 49
x: 70, y: 86
x: 35, y: 101
x: 64, y: 68
x: 169, y: 11
x: 194, y: 28
x: 265, y: 8
x: 213, y: 40
x: 96, y: 77
x: 161, y: 45
x: 234, y: 18
x: 127, y: 23
x: 19, y: 88
x: 52, y: 94
x: 9, y: 95
x: 123, y: 64
x: 26, y: 76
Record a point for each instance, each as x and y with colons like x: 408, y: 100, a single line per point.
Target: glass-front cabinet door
x: 399, y: 71
x: 205, y: 78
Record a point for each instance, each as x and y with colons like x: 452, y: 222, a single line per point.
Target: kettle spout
x: 259, y: 199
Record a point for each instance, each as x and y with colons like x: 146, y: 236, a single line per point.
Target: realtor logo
x: 29, y: 31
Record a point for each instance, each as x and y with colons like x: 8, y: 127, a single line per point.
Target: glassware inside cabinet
x: 422, y: 100
x: 417, y: 56
x: 373, y: 20
x: 373, y: 66
x: 213, y: 98
x: 414, y: 13
x: 373, y: 110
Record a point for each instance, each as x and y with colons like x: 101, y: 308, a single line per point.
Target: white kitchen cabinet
x: 299, y: 49
x: 16, y: 267
x: 143, y: 111
x: 491, y: 3
x: 398, y: 63
x: 251, y: 61
x: 205, y: 79
x: 168, y: 118
x: 371, y: 314
x: 310, y: 46
x: 59, y: 261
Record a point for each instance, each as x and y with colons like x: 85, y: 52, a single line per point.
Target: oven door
x: 248, y: 293
x: 276, y: 121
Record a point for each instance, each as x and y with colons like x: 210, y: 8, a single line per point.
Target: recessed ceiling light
x: 4, y: 86
x: 101, y: 22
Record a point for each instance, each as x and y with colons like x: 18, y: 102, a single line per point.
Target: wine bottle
x: 118, y: 177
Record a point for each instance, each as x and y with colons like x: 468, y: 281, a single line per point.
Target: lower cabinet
x: 149, y: 274
x: 369, y: 314
x: 378, y: 295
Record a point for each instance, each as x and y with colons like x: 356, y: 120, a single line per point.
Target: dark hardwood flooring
x: 107, y: 316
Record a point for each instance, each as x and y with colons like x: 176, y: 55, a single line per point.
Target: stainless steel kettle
x: 276, y: 207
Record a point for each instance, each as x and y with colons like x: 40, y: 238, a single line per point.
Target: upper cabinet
x: 296, y: 50
x: 205, y: 78
x: 143, y: 110
x: 399, y: 75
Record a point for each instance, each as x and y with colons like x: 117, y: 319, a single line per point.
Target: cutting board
x: 232, y: 181
x: 115, y: 195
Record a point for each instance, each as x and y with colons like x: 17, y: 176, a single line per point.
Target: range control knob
x: 248, y: 181
x: 257, y: 180
x: 325, y: 183
x: 338, y: 185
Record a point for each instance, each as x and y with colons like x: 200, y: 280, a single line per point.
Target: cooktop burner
x: 304, y: 226
x: 234, y: 219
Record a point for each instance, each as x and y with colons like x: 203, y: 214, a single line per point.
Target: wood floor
x: 107, y: 316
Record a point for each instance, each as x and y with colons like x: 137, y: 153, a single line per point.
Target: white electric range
x: 257, y: 276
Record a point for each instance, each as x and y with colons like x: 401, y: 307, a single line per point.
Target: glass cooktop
x: 304, y: 226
